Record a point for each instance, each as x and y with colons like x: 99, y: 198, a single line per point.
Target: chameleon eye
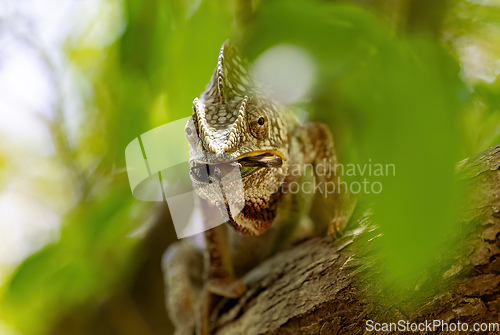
x: 258, y: 125
x: 190, y: 129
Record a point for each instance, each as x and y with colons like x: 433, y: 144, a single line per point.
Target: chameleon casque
x: 240, y: 138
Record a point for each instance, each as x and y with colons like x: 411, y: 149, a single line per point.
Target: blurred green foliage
x: 390, y: 96
x: 393, y: 100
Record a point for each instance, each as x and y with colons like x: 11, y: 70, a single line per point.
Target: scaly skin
x: 242, y: 147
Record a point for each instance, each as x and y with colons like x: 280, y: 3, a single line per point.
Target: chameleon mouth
x: 263, y: 158
x: 245, y: 164
x: 266, y: 159
x: 252, y: 163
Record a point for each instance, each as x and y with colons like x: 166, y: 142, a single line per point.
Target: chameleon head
x: 238, y: 145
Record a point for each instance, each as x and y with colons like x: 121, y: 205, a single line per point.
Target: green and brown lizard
x: 240, y: 138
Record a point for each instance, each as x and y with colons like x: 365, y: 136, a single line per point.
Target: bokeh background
x: 407, y: 82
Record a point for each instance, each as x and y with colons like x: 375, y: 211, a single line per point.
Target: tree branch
x: 320, y: 287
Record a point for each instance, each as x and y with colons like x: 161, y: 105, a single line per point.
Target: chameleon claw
x: 230, y: 288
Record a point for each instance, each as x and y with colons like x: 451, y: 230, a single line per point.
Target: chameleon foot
x: 230, y: 288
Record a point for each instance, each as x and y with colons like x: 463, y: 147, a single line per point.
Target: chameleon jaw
x: 256, y: 153
x: 249, y: 163
x: 262, y: 160
x: 265, y: 156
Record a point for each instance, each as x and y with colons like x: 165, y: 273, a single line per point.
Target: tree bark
x: 324, y: 287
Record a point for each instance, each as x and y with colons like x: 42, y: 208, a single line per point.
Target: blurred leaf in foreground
x: 390, y: 100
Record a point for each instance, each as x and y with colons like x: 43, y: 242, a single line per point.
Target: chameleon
x: 242, y: 139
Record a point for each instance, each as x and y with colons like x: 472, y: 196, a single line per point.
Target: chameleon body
x: 241, y: 139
